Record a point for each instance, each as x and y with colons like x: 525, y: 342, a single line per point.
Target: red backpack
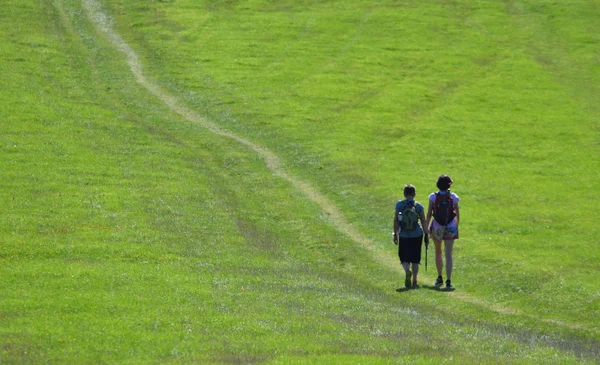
x: 443, y: 208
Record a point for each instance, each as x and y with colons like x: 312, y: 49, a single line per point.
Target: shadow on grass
x: 429, y: 287
x: 438, y: 288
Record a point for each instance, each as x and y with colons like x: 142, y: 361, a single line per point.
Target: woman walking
x: 408, y: 234
x: 443, y: 206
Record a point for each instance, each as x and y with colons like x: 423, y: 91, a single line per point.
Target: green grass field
x: 194, y: 181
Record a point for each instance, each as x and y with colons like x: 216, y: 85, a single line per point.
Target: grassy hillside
x: 131, y: 233
x: 361, y: 98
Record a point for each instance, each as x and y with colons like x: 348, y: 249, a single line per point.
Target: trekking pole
x: 426, y: 249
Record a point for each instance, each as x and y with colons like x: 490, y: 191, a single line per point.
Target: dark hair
x: 409, y: 190
x: 444, y: 182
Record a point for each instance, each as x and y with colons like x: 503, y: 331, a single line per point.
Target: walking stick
x: 426, y: 249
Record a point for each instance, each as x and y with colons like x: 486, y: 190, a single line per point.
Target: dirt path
x: 104, y: 24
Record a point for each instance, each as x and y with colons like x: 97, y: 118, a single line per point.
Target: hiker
x: 443, y: 206
x: 408, y: 234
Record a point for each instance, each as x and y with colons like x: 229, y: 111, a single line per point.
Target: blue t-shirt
x: 400, y: 205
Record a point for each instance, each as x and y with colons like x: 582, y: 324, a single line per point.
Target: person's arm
x: 457, y: 214
x: 396, y: 226
x: 429, y: 214
x: 423, y: 220
x: 425, y: 225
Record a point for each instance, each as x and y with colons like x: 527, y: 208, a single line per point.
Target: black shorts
x: 409, y: 249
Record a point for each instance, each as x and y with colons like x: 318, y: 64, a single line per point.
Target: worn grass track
x: 102, y: 21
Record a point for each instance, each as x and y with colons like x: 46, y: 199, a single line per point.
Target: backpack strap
x: 451, y: 205
x: 435, y: 202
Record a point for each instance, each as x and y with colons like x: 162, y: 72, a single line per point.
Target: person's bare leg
x: 448, y: 246
x: 439, y: 262
x: 407, y: 273
x: 406, y: 265
x: 415, y: 271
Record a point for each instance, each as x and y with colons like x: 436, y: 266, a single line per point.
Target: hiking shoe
x: 439, y: 281
x: 415, y: 285
x: 407, y: 279
x: 449, y: 285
